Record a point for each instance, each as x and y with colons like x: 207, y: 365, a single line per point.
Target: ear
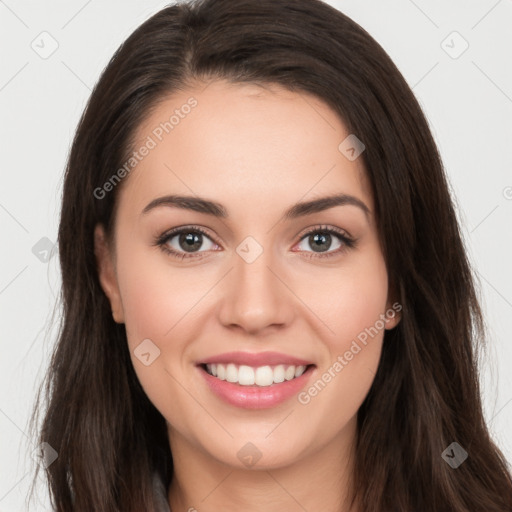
x: 393, y: 312
x: 106, y: 272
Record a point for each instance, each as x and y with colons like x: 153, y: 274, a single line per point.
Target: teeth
x: 231, y: 373
x: 221, y: 371
x: 279, y: 373
x: 246, y: 376
x: 289, y: 374
x: 261, y: 376
x: 299, y: 371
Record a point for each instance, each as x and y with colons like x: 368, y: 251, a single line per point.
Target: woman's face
x: 254, y: 281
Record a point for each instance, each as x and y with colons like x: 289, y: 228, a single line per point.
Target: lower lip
x: 256, y: 397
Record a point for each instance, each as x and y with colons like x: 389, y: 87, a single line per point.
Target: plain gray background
x: 466, y: 94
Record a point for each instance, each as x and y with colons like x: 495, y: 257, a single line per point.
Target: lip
x: 256, y: 397
x: 255, y: 359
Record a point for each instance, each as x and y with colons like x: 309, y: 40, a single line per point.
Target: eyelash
x: 162, y: 240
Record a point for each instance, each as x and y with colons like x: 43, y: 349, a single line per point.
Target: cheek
x: 160, y: 303
x: 352, y: 304
x: 155, y: 296
x: 349, y: 300
x: 155, y: 300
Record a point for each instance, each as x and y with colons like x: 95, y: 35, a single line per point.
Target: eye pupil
x: 318, y: 239
x: 190, y: 241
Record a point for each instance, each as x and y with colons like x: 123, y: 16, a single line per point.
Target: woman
x: 213, y: 355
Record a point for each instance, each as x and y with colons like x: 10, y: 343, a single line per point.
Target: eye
x: 184, y: 242
x: 321, y: 238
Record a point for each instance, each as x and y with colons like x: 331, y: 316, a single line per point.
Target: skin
x: 256, y: 150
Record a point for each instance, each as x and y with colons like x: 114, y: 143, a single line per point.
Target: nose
x: 255, y: 297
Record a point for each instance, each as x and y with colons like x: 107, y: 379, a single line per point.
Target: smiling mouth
x: 262, y: 376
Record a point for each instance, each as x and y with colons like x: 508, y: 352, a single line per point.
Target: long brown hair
x: 109, y: 437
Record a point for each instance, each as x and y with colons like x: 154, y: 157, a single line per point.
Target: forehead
x: 245, y: 145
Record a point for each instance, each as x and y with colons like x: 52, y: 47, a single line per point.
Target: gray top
x: 160, y: 494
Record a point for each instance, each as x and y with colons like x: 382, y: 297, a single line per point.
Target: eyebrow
x: 201, y: 205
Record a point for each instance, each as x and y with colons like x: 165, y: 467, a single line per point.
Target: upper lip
x: 255, y: 359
